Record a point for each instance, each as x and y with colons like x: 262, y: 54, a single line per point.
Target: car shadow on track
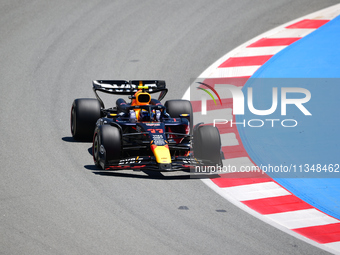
x: 70, y: 139
x: 150, y: 174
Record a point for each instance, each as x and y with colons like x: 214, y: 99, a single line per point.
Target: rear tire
x: 84, y: 114
x: 207, y: 144
x: 177, y: 107
x: 107, y: 145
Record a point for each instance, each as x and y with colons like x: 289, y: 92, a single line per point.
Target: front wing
x: 178, y: 163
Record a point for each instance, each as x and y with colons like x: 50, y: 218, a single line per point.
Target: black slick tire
x: 177, y: 107
x: 107, y: 145
x: 84, y: 114
x: 207, y: 144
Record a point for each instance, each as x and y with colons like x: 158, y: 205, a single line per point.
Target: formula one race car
x: 143, y: 133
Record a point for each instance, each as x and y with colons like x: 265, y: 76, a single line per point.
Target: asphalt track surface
x: 53, y: 200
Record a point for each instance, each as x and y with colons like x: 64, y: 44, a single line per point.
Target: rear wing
x: 122, y: 87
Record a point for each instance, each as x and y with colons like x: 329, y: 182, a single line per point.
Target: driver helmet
x: 141, y: 98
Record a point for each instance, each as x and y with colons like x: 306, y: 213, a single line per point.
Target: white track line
x: 292, y: 33
x: 237, y: 162
x: 239, y: 71
x: 229, y: 139
x: 215, y: 114
x: 259, y: 51
x: 256, y: 191
x: 302, y: 218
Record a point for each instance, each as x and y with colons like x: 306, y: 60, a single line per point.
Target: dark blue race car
x: 143, y: 133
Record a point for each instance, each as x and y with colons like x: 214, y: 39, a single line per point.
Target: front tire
x: 207, y: 144
x: 84, y: 114
x: 107, y: 145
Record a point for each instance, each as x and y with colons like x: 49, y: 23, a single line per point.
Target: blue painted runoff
x: 300, y: 151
